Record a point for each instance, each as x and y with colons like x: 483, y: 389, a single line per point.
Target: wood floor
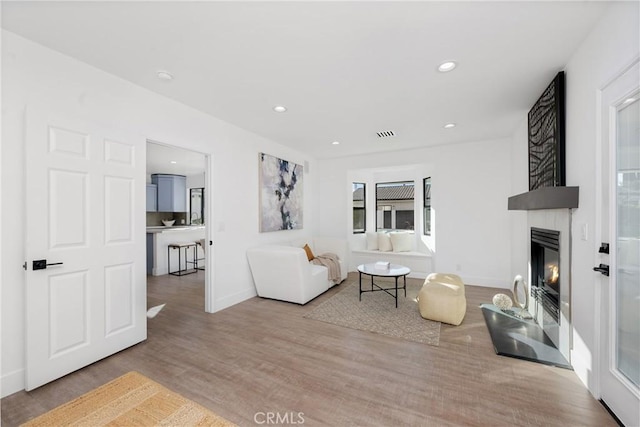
x: 262, y: 356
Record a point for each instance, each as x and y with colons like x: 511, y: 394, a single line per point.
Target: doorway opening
x: 178, y: 262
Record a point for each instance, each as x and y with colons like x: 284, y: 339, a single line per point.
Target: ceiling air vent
x: 386, y: 134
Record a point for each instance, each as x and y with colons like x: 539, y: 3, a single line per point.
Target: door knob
x: 41, y: 264
x: 603, y: 269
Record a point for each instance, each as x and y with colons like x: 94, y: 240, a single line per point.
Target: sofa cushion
x: 384, y: 242
x: 307, y: 249
x: 401, y: 242
x: 372, y: 241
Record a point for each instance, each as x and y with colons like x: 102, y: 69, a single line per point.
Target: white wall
x: 519, y: 184
x: 37, y: 76
x: 470, y: 187
x: 610, y: 47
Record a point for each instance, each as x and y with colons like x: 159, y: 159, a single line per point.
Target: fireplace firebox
x: 545, y: 270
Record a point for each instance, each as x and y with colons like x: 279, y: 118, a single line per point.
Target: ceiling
x: 171, y: 160
x: 344, y: 70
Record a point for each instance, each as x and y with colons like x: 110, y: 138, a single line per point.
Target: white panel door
x: 85, y: 207
x: 620, y: 227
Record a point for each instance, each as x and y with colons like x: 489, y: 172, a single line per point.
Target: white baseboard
x: 228, y: 301
x: 490, y: 282
x: 159, y: 271
x: 12, y: 382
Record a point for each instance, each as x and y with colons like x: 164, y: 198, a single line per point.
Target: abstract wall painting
x: 547, y: 137
x: 281, y: 202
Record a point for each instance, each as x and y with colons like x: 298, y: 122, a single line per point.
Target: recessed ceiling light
x: 336, y: 143
x: 449, y: 125
x: 447, y: 66
x: 164, y: 75
x: 173, y: 162
x: 279, y: 109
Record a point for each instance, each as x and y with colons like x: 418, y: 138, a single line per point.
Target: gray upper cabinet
x: 152, y: 198
x: 172, y: 192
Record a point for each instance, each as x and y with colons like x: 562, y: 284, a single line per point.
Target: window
x: 359, y: 207
x: 394, y: 206
x: 427, y: 206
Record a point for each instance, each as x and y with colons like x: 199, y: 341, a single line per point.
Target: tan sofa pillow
x: 309, y: 252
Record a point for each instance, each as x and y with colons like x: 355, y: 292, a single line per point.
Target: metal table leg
x: 396, y: 291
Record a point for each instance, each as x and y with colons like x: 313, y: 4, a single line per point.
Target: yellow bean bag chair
x: 442, y: 298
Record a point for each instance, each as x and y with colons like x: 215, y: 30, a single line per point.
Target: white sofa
x: 283, y: 271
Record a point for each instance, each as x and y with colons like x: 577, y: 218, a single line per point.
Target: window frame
x: 426, y: 230
x: 363, y: 208
x: 404, y: 182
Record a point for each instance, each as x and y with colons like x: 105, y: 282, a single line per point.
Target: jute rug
x: 130, y: 400
x: 377, y: 312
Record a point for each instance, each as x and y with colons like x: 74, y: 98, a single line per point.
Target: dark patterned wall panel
x: 546, y: 137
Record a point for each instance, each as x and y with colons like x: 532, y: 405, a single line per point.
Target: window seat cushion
x: 398, y: 255
x: 419, y: 262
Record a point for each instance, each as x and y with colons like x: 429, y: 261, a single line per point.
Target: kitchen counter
x: 164, y: 229
x: 159, y: 237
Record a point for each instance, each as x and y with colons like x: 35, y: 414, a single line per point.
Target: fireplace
x: 550, y: 284
x: 545, y: 270
x: 549, y: 203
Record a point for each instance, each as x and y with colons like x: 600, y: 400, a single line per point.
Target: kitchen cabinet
x: 172, y: 192
x: 152, y: 198
x: 149, y: 253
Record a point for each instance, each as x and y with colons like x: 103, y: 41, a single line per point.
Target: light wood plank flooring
x: 263, y: 356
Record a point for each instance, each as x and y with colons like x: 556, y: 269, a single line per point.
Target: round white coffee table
x: 394, y: 271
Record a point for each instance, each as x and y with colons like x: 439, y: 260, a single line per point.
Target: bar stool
x: 180, y: 271
x: 201, y: 244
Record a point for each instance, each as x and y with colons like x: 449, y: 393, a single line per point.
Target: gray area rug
x: 377, y: 312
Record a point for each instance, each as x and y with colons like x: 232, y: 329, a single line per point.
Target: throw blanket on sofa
x: 330, y: 261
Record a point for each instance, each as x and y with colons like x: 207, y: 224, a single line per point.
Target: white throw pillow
x: 384, y: 242
x: 401, y: 242
x: 372, y: 241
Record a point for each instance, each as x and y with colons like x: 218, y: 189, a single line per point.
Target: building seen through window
x: 394, y: 205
